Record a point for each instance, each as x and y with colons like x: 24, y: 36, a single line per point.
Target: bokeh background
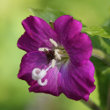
x: 14, y: 93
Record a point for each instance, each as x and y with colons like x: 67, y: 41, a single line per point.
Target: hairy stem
x: 91, y: 105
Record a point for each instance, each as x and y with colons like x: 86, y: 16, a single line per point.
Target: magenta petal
x: 26, y: 43
x: 66, y: 27
x: 29, y: 62
x: 78, y: 45
x: 39, y: 30
x: 52, y: 86
x: 79, y: 48
x: 77, y: 82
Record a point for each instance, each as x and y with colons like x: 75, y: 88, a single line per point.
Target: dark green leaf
x: 47, y: 14
x: 101, y: 43
x: 50, y: 14
x: 103, y: 76
x: 102, y: 63
x: 107, y: 41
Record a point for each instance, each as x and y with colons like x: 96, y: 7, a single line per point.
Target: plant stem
x: 108, y: 100
x: 91, y: 105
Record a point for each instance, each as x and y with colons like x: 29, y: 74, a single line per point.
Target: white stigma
x: 42, y: 83
x: 53, y: 42
x: 38, y: 74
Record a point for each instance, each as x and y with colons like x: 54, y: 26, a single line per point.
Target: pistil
x: 38, y: 74
x: 52, y: 56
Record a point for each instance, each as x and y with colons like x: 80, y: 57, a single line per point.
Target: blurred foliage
x: 103, y: 76
x: 106, y: 26
x: 101, y: 44
x: 102, y: 65
x: 96, y: 31
x: 13, y: 92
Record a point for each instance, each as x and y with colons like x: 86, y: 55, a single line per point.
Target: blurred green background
x: 14, y: 93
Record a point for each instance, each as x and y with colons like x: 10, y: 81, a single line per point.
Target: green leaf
x: 47, y: 14
x: 107, y: 41
x: 103, y: 83
x: 103, y: 76
x: 106, y: 26
x: 101, y: 44
x: 96, y: 31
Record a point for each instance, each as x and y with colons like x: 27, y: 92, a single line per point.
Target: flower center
x: 54, y: 56
x: 50, y: 55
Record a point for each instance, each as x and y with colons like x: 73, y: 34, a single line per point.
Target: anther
x: 43, y: 49
x: 58, y: 56
x: 53, y: 42
x: 53, y: 63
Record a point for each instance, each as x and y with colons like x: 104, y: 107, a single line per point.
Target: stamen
x: 53, y: 42
x: 38, y: 74
x: 43, y: 49
x: 53, y: 63
x: 58, y: 56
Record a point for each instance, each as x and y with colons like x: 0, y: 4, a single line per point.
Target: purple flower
x: 57, y: 59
